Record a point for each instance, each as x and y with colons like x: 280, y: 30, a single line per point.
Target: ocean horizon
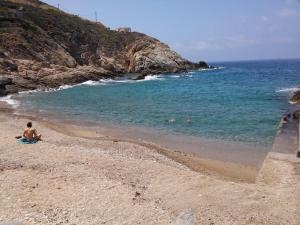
x: 239, y: 101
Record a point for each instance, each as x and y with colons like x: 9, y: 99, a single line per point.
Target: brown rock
x: 296, y: 97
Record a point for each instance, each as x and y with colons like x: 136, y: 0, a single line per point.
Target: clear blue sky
x: 211, y: 30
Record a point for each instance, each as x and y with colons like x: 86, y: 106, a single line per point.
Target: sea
x: 239, y: 101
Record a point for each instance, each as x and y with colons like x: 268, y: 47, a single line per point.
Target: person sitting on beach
x: 30, y: 134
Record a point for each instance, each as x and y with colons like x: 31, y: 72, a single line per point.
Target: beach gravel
x: 72, y: 180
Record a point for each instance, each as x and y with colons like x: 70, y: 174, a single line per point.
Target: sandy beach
x: 151, y: 112
x: 77, y: 176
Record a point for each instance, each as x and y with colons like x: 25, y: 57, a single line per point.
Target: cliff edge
x: 41, y: 47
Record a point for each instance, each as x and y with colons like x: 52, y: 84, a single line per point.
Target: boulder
x: 5, y: 81
x: 139, y: 77
x: 296, y: 115
x: 3, y: 92
x: 11, y: 89
x: 296, y: 97
x: 203, y: 64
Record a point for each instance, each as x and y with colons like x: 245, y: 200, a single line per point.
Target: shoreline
x: 228, y: 160
x: 222, y: 169
x: 217, y: 167
x: 246, y: 153
x: 217, y: 149
x: 108, y: 77
x: 67, y: 179
x: 123, y: 77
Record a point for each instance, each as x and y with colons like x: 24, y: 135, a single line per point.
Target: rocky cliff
x: 41, y: 46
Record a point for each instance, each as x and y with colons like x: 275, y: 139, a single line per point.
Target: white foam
x: 153, y: 77
x: 111, y: 81
x: 106, y: 80
x: 147, y: 78
x: 290, y: 90
x: 28, y: 92
x: 189, y: 74
x: 9, y: 100
x: 292, y: 102
x: 215, y: 68
x: 91, y: 83
x: 99, y: 82
x: 63, y: 87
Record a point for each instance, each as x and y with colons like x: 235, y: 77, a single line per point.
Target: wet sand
x: 216, y: 149
x: 235, y: 152
x: 231, y: 160
x: 221, y: 168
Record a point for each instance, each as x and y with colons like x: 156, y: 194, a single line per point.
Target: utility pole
x: 58, y: 6
x: 96, y: 16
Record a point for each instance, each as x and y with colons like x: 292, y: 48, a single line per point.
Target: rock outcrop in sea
x: 296, y: 97
x: 44, y: 47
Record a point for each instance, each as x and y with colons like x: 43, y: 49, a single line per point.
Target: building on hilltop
x: 124, y: 29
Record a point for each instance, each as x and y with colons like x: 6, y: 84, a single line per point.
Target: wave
x: 10, y: 101
x: 290, y: 90
x: 107, y: 81
x: 191, y: 72
x: 91, y: 83
x: 210, y: 69
x: 29, y: 92
x: 111, y: 81
x: 63, y: 87
x: 174, y: 76
x: 153, y: 77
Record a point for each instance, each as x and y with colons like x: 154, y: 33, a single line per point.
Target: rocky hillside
x: 41, y: 46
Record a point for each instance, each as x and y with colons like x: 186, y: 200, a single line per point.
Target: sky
x: 210, y: 30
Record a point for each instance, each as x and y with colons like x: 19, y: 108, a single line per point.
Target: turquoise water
x: 242, y: 101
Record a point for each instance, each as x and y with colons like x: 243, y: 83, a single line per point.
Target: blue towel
x: 25, y: 141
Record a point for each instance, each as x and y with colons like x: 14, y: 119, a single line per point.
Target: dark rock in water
x: 11, y: 89
x: 296, y: 115
x: 45, y: 47
x: 3, y: 92
x: 296, y: 97
x: 203, y: 64
x: 5, y: 81
x: 140, y: 77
